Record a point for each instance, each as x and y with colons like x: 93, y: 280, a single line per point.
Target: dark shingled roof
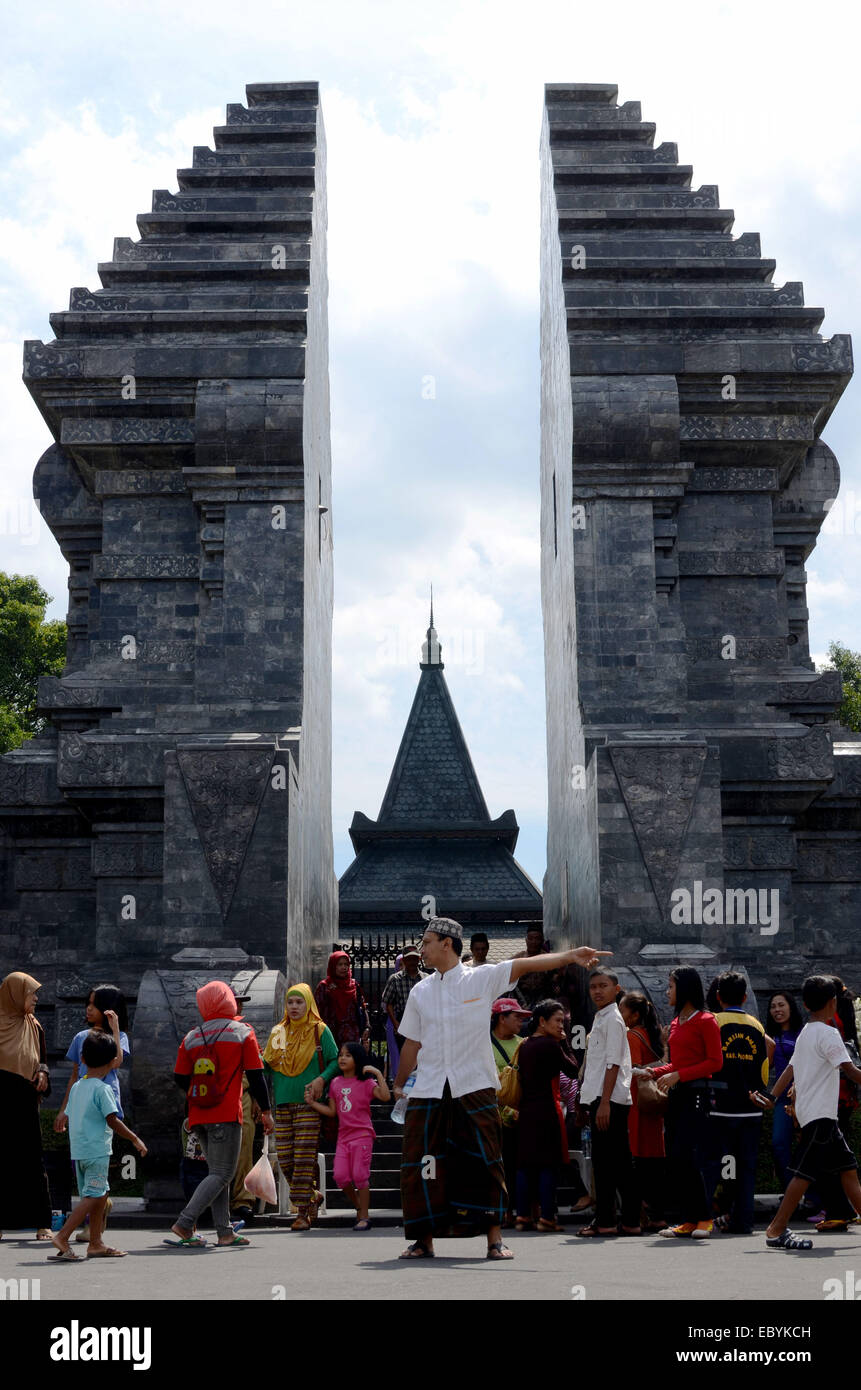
x: 434, y: 835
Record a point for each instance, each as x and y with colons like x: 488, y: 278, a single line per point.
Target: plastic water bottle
x: 399, y: 1110
x: 57, y: 1220
x: 586, y: 1142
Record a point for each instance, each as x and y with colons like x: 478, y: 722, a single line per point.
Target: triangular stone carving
x: 225, y: 787
x: 659, y: 784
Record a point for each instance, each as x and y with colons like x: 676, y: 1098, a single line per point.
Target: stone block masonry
x: 691, y: 744
x: 180, y: 798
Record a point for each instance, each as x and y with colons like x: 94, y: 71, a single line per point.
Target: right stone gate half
x: 703, y: 798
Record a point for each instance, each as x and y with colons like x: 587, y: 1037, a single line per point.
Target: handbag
x: 510, y: 1092
x: 651, y: 1100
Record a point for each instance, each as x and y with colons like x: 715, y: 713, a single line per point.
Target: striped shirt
x: 450, y: 1016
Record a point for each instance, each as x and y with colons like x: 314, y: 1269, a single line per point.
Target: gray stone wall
x: 684, y: 484
x: 180, y: 798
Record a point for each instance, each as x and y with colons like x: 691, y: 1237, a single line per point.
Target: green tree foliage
x: 30, y: 647
x: 848, y: 663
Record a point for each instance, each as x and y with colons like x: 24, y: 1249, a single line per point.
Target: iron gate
x: 373, y: 960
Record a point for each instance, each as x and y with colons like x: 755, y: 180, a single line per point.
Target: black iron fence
x: 373, y: 960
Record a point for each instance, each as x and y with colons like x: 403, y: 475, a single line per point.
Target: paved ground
x: 334, y: 1264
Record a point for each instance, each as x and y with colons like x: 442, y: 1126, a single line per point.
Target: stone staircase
x: 386, y: 1178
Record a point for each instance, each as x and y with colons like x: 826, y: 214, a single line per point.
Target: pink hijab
x: 216, y: 1000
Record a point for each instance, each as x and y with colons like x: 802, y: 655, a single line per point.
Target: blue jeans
x: 737, y: 1138
x: 782, y: 1133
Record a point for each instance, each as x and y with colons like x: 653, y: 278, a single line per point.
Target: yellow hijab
x: 19, y: 1031
x: 291, y: 1045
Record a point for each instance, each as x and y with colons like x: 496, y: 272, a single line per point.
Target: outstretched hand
x: 588, y: 956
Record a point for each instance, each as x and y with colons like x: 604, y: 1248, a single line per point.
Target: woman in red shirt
x: 695, y: 1056
x: 646, y: 1130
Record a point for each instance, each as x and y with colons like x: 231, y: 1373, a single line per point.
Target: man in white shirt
x: 821, y: 1151
x: 452, y: 1170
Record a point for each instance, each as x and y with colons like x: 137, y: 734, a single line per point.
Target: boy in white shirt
x: 605, y: 1087
x: 819, y: 1058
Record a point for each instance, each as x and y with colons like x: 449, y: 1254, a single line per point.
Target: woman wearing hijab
x: 24, y: 1199
x: 340, y: 1002
x: 209, y: 1068
x: 301, y: 1057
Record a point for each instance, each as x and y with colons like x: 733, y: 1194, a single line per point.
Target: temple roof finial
x: 431, y: 649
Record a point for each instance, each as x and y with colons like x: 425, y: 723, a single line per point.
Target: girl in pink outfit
x: 350, y: 1096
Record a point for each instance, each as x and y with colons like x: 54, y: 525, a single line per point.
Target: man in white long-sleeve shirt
x: 452, y: 1172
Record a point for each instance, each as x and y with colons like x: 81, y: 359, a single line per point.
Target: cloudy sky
x: 433, y: 116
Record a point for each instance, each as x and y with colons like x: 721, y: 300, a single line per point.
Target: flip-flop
x: 548, y: 1227
x: 592, y: 1233
x: 498, y: 1251
x: 363, y: 1225
x: 109, y: 1253
x: 229, y: 1244
x: 189, y: 1243
x: 67, y: 1256
x: 417, y: 1251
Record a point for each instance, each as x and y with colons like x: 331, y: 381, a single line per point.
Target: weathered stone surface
x: 181, y: 795
x: 684, y: 484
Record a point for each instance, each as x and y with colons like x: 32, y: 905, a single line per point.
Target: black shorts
x: 821, y: 1151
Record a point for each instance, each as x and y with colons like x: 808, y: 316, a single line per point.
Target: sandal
x: 417, y: 1251
x: 833, y: 1224
x: 788, y: 1241
x: 68, y: 1255
x: 301, y: 1223
x: 109, y: 1253
x: 498, y: 1251
x: 228, y: 1244
x: 591, y: 1231
x: 549, y: 1227
x: 363, y: 1225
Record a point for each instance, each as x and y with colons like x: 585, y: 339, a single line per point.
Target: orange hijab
x: 19, y: 1031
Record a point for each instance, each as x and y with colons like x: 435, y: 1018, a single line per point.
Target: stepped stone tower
x: 178, y: 805
x: 691, y: 744
x: 434, y: 835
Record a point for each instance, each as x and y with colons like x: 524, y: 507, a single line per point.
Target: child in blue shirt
x: 93, y: 1119
x: 106, y: 1009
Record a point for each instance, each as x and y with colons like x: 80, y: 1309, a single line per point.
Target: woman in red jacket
x: 695, y: 1056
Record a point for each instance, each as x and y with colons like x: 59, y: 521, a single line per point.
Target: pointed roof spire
x: 431, y: 649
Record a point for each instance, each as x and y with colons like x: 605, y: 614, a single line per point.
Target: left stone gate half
x: 179, y: 800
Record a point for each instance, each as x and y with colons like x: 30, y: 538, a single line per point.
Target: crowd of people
x: 497, y: 1091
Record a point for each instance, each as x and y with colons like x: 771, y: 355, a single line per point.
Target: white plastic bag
x: 260, y: 1181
